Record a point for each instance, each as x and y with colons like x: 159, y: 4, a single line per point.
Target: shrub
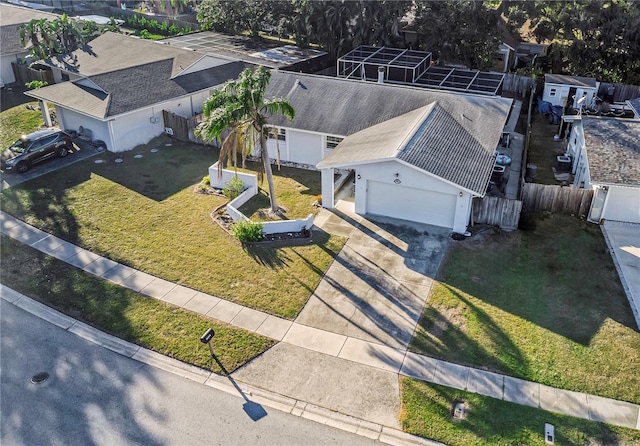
x: 206, y: 180
x: 36, y: 84
x: 144, y: 34
x: 247, y: 231
x: 233, y: 188
x: 174, y: 30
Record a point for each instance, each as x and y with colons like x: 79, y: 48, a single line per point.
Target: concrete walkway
x: 335, y: 349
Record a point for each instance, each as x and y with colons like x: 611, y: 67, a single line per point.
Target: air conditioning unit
x: 563, y: 163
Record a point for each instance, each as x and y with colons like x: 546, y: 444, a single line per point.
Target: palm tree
x: 241, y: 108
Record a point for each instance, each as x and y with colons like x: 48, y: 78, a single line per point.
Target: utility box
x: 549, y: 433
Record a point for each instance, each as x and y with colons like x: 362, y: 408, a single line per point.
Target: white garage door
x: 412, y: 204
x: 623, y: 204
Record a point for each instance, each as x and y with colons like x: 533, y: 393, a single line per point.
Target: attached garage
x: 423, y: 166
x: 606, y: 158
x: 408, y: 203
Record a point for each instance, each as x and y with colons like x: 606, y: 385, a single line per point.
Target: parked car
x: 35, y: 147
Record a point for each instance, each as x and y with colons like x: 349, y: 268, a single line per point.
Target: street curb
x: 257, y: 395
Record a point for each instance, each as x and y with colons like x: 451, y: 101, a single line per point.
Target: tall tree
x: 233, y: 16
x: 241, y: 108
x: 51, y: 37
x: 459, y: 32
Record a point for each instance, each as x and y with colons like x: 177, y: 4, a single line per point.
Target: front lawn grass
x: 426, y: 410
x: 17, y: 121
x: 143, y: 212
x: 128, y: 315
x: 543, y: 305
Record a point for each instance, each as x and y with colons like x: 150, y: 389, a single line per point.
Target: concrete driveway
x: 81, y: 150
x: 624, y: 244
x: 378, y: 285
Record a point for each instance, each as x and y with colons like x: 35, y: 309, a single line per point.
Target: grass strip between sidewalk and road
x: 126, y: 314
x: 426, y: 411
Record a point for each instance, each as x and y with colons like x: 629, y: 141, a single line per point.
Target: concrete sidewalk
x: 315, y: 346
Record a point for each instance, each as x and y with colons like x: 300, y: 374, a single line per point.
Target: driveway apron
x: 378, y: 285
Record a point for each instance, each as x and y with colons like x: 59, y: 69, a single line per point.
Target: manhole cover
x: 137, y: 156
x: 154, y: 150
x: 119, y: 160
x: 99, y: 161
x: 39, y: 377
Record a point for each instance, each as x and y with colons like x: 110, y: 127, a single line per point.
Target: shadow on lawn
x: 561, y: 278
x: 490, y: 420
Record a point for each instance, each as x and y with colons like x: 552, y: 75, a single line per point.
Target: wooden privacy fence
x: 502, y: 212
x: 182, y: 128
x: 23, y: 74
x: 570, y: 200
x: 621, y: 92
x: 515, y: 83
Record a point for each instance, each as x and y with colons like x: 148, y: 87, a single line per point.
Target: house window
x: 282, y: 133
x: 333, y: 141
x: 552, y: 92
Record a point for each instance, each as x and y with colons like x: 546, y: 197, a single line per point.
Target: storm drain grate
x: 39, y: 377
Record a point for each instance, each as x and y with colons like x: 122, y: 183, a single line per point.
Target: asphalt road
x: 96, y: 397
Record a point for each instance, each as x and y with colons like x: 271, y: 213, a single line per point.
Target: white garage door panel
x: 623, y: 204
x: 412, y: 204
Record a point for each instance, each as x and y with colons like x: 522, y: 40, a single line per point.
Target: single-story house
x: 118, y: 87
x: 418, y: 154
x: 565, y: 90
x: 605, y: 156
x: 10, y: 49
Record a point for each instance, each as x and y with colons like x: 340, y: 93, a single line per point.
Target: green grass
x: 543, y: 150
x: 297, y: 190
x: 18, y: 121
x: 144, y: 321
x: 426, y: 412
x: 544, y: 305
x: 144, y: 213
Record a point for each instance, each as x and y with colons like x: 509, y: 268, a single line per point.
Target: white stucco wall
x: 6, y: 72
x: 136, y: 128
x: 71, y: 120
x: 385, y: 172
x: 562, y: 94
x: 300, y: 147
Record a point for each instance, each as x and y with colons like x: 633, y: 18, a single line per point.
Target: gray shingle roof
x: 613, y: 150
x: 114, y: 51
x: 456, y: 141
x: 133, y: 88
x: 379, y: 142
x: 570, y: 80
x: 12, y: 16
x: 342, y: 107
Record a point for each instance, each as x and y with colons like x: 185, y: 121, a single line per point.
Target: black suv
x: 35, y: 147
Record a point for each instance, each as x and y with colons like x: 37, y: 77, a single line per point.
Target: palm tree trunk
x: 268, y: 173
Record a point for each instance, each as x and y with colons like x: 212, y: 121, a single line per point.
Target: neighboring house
x: 10, y: 49
x: 606, y: 158
x: 119, y: 87
x: 418, y: 154
x: 568, y: 90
